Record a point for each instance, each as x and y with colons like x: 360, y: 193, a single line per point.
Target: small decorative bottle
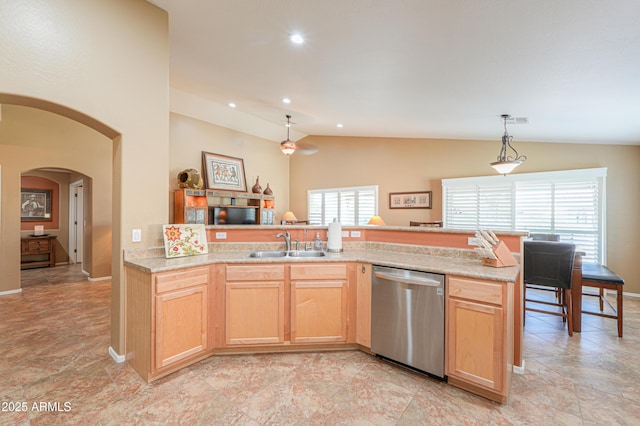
x: 257, y: 189
x: 267, y: 190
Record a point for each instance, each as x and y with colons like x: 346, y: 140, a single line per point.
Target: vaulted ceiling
x: 417, y: 68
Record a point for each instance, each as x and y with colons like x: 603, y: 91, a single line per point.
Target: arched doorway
x: 40, y: 139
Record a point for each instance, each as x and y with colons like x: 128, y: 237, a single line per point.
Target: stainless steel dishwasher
x: 407, y: 318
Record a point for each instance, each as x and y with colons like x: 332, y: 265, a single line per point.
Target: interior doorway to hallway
x: 76, y: 221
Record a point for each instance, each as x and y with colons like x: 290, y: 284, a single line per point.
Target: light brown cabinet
x: 166, y: 319
x: 295, y: 304
x: 363, y: 305
x: 479, y: 336
x: 319, y: 303
x: 180, y: 315
x: 254, y: 304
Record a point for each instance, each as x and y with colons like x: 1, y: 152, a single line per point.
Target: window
x: 569, y: 203
x: 351, y: 206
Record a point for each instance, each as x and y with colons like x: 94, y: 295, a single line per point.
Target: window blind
x: 569, y: 203
x: 351, y: 206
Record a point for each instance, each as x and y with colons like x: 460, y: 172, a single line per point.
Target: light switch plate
x: 136, y: 235
x: 355, y: 234
x: 221, y: 235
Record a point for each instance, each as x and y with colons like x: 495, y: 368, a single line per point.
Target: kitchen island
x: 182, y: 310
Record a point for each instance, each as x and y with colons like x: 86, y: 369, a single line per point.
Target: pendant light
x: 506, y: 163
x: 288, y: 147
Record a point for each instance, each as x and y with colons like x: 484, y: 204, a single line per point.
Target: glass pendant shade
x: 505, y: 167
x: 288, y: 147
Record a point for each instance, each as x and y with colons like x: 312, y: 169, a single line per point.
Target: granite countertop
x: 443, y: 261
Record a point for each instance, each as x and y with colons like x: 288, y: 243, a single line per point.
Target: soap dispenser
x: 317, y: 244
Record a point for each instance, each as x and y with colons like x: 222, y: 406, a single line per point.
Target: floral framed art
x: 410, y: 200
x: 224, y: 172
x: 35, y: 205
x: 184, y: 240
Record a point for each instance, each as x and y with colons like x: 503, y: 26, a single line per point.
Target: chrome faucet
x: 306, y: 241
x: 287, y: 238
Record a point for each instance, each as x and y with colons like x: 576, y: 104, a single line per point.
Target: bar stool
x: 550, y: 264
x: 601, y: 277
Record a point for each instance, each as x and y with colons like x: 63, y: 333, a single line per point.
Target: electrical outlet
x: 473, y: 241
x: 136, y: 235
x: 221, y: 235
x: 345, y: 234
x: 355, y: 234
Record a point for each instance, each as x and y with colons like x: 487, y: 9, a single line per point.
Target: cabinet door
x: 254, y: 313
x: 475, y: 350
x: 181, y: 324
x: 363, y: 305
x: 319, y: 311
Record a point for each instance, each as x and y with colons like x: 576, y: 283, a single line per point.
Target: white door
x: 76, y: 221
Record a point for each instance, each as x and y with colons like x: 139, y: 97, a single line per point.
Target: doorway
x: 76, y: 221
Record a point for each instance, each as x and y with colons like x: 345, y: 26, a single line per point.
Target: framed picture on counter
x: 223, y: 172
x: 35, y: 205
x: 410, y: 200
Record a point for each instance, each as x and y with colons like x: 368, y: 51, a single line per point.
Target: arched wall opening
x: 41, y: 143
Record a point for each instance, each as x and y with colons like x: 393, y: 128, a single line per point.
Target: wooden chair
x: 436, y: 224
x: 601, y: 277
x: 549, y: 264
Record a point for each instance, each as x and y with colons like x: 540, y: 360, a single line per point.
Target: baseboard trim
x: 6, y: 293
x: 99, y: 279
x: 116, y: 357
x: 519, y: 369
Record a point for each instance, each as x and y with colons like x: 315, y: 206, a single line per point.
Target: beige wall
x: 190, y: 137
x: 104, y: 63
x: 399, y: 165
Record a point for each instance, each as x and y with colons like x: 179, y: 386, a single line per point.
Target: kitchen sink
x: 268, y: 254
x: 299, y: 253
x: 292, y: 253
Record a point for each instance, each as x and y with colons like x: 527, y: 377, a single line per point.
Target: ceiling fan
x: 288, y: 147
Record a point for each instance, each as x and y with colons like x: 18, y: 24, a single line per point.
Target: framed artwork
x: 224, y: 173
x: 35, y: 205
x: 410, y: 200
x: 184, y: 240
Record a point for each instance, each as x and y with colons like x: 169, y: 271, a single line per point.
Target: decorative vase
x: 257, y: 189
x: 267, y: 190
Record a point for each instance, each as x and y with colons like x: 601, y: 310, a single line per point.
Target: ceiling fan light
x: 288, y: 147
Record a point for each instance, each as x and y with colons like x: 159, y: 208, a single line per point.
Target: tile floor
x: 54, y: 338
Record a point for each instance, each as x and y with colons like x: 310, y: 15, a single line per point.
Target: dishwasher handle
x: 429, y: 282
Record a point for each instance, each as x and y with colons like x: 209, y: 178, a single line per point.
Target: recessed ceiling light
x: 232, y: 105
x: 296, y: 38
x: 286, y: 100
x: 339, y: 125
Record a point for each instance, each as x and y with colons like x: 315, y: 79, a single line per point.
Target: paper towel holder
x: 332, y: 232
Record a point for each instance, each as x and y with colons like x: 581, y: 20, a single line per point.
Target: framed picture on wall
x: 35, y: 205
x: 223, y: 172
x: 410, y: 200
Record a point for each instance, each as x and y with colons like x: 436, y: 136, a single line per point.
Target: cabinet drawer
x: 481, y: 291
x: 181, y: 279
x: 319, y: 271
x: 38, y: 246
x: 255, y: 272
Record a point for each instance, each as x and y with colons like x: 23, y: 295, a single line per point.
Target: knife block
x: 504, y: 257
